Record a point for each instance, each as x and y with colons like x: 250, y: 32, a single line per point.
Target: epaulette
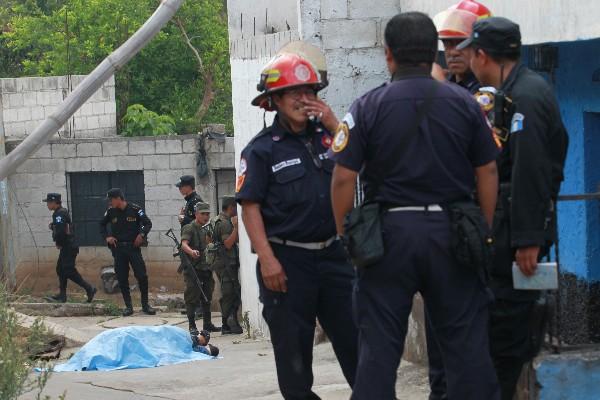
x: 260, y: 134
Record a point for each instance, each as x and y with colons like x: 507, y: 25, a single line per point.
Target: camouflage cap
x: 202, y: 207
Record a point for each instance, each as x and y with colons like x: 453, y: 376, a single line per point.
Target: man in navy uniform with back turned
x: 284, y: 189
x: 419, y: 145
x: 129, y: 228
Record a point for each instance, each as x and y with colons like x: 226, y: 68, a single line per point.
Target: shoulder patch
x: 340, y: 140
x: 517, y: 122
x: 58, y: 219
x: 140, y: 212
x: 349, y: 120
x: 243, y: 166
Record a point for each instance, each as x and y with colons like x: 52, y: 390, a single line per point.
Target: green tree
x: 183, y: 72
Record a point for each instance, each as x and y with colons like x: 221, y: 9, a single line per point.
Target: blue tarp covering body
x: 134, y: 347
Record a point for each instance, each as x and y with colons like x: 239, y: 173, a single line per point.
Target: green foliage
x: 60, y: 37
x: 140, y: 121
x: 15, y: 363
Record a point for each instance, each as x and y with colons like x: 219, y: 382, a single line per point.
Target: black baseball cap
x: 496, y: 35
x: 115, y: 193
x: 55, y: 197
x: 186, y: 180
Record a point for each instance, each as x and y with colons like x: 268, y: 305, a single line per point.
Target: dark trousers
x: 418, y: 259
x: 66, y: 270
x: 124, y: 257
x: 437, y: 374
x: 231, y: 293
x: 319, y: 286
x: 194, y: 281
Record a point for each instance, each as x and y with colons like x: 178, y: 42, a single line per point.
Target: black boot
x: 91, y: 292
x: 148, y: 310
x: 235, y: 327
x: 58, y: 298
x: 127, y: 311
x: 207, y: 324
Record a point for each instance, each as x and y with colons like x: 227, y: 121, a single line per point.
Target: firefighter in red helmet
x: 455, y: 25
x: 283, y: 187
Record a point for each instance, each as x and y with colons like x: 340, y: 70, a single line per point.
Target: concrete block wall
x: 163, y: 160
x: 26, y: 102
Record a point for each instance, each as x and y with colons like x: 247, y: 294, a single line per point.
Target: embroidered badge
x: 243, y: 166
x: 141, y: 213
x: 285, y: 164
x: 516, y: 124
x: 349, y: 120
x: 340, y: 141
x: 326, y: 141
x: 58, y: 220
x: 240, y: 183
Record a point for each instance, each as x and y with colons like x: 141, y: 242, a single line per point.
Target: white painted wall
x: 269, y: 14
x: 540, y: 20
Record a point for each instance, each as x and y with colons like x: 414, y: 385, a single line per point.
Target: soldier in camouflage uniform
x: 195, y: 236
x: 227, y: 265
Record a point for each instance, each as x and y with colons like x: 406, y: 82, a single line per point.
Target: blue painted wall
x: 573, y: 377
x: 579, y: 100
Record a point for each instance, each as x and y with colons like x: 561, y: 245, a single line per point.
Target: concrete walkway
x: 246, y: 371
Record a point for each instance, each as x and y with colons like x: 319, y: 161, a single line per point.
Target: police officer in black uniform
x: 64, y: 238
x: 284, y: 189
x: 446, y: 149
x: 530, y: 167
x: 129, y: 228
x: 187, y: 188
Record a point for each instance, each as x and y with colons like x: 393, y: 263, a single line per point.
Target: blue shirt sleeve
x: 253, y: 176
x: 483, y: 148
x: 350, y: 141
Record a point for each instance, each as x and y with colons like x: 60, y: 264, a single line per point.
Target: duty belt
x: 306, y: 246
x: 429, y: 208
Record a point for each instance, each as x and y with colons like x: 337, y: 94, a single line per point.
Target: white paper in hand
x: 545, y: 277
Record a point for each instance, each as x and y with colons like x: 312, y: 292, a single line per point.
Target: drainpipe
x: 89, y: 86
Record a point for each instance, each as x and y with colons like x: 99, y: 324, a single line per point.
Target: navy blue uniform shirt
x: 437, y: 166
x: 62, y: 229
x: 470, y: 82
x: 125, y: 224
x: 290, y: 176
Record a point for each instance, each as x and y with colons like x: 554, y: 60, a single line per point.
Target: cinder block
x: 37, y: 113
x: 79, y: 164
x: 36, y: 84
x: 169, y: 146
x: 115, y: 149
x: 24, y: 114
x: 169, y: 177
x: 349, y: 34
x: 93, y: 149
x: 15, y: 100
x: 225, y: 160
x: 93, y: 122
x: 170, y: 207
x: 110, y: 107
x: 30, y: 166
x: 59, y: 180
x: 9, y: 85
x: 333, y: 9
x: 367, y: 9
x: 29, y: 99
x: 151, y: 208
x: 141, y: 147
x: 50, y: 82
x: 129, y: 163
x: 52, y: 165
x: 189, y: 146
x: 42, y: 98
x: 64, y: 150
x: 182, y: 161
x: 43, y: 152
x: 149, y: 178
x: 98, y: 108
x: 49, y: 110
x: 40, y: 180
x: 87, y: 109
x: 80, y: 123
x: 23, y: 85
x: 104, y: 163
x: 158, y: 192
x: 108, y: 121
x: 155, y: 162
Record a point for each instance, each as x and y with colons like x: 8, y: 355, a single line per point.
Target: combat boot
x: 91, y: 292
x: 207, y: 320
x: 57, y: 298
x: 128, y: 310
x: 235, y: 328
x: 148, y: 310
